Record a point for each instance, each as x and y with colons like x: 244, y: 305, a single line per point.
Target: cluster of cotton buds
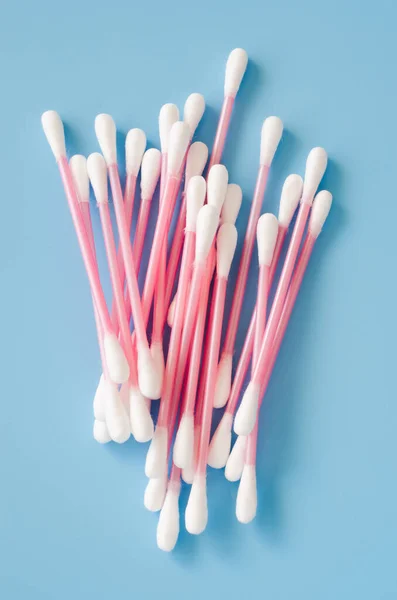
x: 196, y: 375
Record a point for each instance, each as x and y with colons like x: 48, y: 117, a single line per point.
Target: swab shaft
x: 159, y: 312
x: 221, y: 132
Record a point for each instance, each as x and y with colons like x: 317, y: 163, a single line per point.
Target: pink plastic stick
x: 85, y: 211
x: 85, y: 246
x: 246, y: 353
x: 260, y: 324
x: 159, y: 311
x: 213, y: 357
x: 160, y: 233
x: 221, y: 132
x: 175, y: 252
x: 281, y: 329
x: 281, y: 293
x: 176, y: 332
x: 249, y: 241
x: 132, y: 283
x: 198, y: 338
x: 129, y: 197
x: 111, y: 254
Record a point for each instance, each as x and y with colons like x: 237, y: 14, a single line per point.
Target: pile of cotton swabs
x: 196, y: 374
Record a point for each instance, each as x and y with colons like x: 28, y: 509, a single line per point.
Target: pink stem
x: 159, y: 311
x: 221, y: 132
x: 213, y: 357
x: 175, y: 253
x: 89, y: 259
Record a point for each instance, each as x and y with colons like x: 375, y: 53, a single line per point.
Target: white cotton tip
x: 156, y: 458
x: 195, y: 197
x: 168, y: 525
x: 155, y: 493
x: 207, y: 224
x: 178, y: 144
x: 184, y: 442
x: 150, y: 172
x: 78, y: 166
x: 223, y: 381
x: 235, y: 68
x: 140, y: 419
x: 197, y: 157
x: 135, y: 144
x: 188, y: 475
x: 99, y: 403
x: 169, y: 114
x: 247, y: 499
x: 149, y: 378
x: 236, y: 460
x: 217, y: 186
x: 219, y: 449
x: 226, y: 242
x: 157, y: 353
x: 196, y: 515
x: 321, y: 207
x: 171, y: 312
x: 248, y: 410
x: 231, y: 206
x: 117, y: 419
x: 125, y: 398
x: 54, y: 132
x: 272, y: 130
x: 105, y: 130
x: 116, y: 362
x: 315, y: 168
x: 98, y: 175
x: 101, y: 432
x: 290, y: 196
x: 266, y: 235
x: 193, y: 111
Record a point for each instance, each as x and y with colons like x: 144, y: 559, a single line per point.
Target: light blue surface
x: 72, y: 519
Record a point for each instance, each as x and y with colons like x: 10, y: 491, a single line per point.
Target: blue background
x: 73, y: 523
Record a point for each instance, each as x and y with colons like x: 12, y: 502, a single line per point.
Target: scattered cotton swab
x: 115, y: 359
x: 270, y: 137
x: 221, y: 440
x: 235, y: 68
x: 246, y: 414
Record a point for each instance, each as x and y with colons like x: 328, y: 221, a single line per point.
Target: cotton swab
x: 135, y: 144
x: 169, y: 114
x: 207, y: 223
x: 270, y: 137
x: 197, y: 157
x: 246, y: 414
x: 115, y: 359
x: 266, y: 236
x: 226, y: 246
x: 193, y: 111
x: 149, y: 381
x: 246, y: 497
x: 78, y: 166
x: 97, y: 172
x: 168, y: 525
x: 221, y: 440
x: 196, y: 511
x: 235, y: 68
